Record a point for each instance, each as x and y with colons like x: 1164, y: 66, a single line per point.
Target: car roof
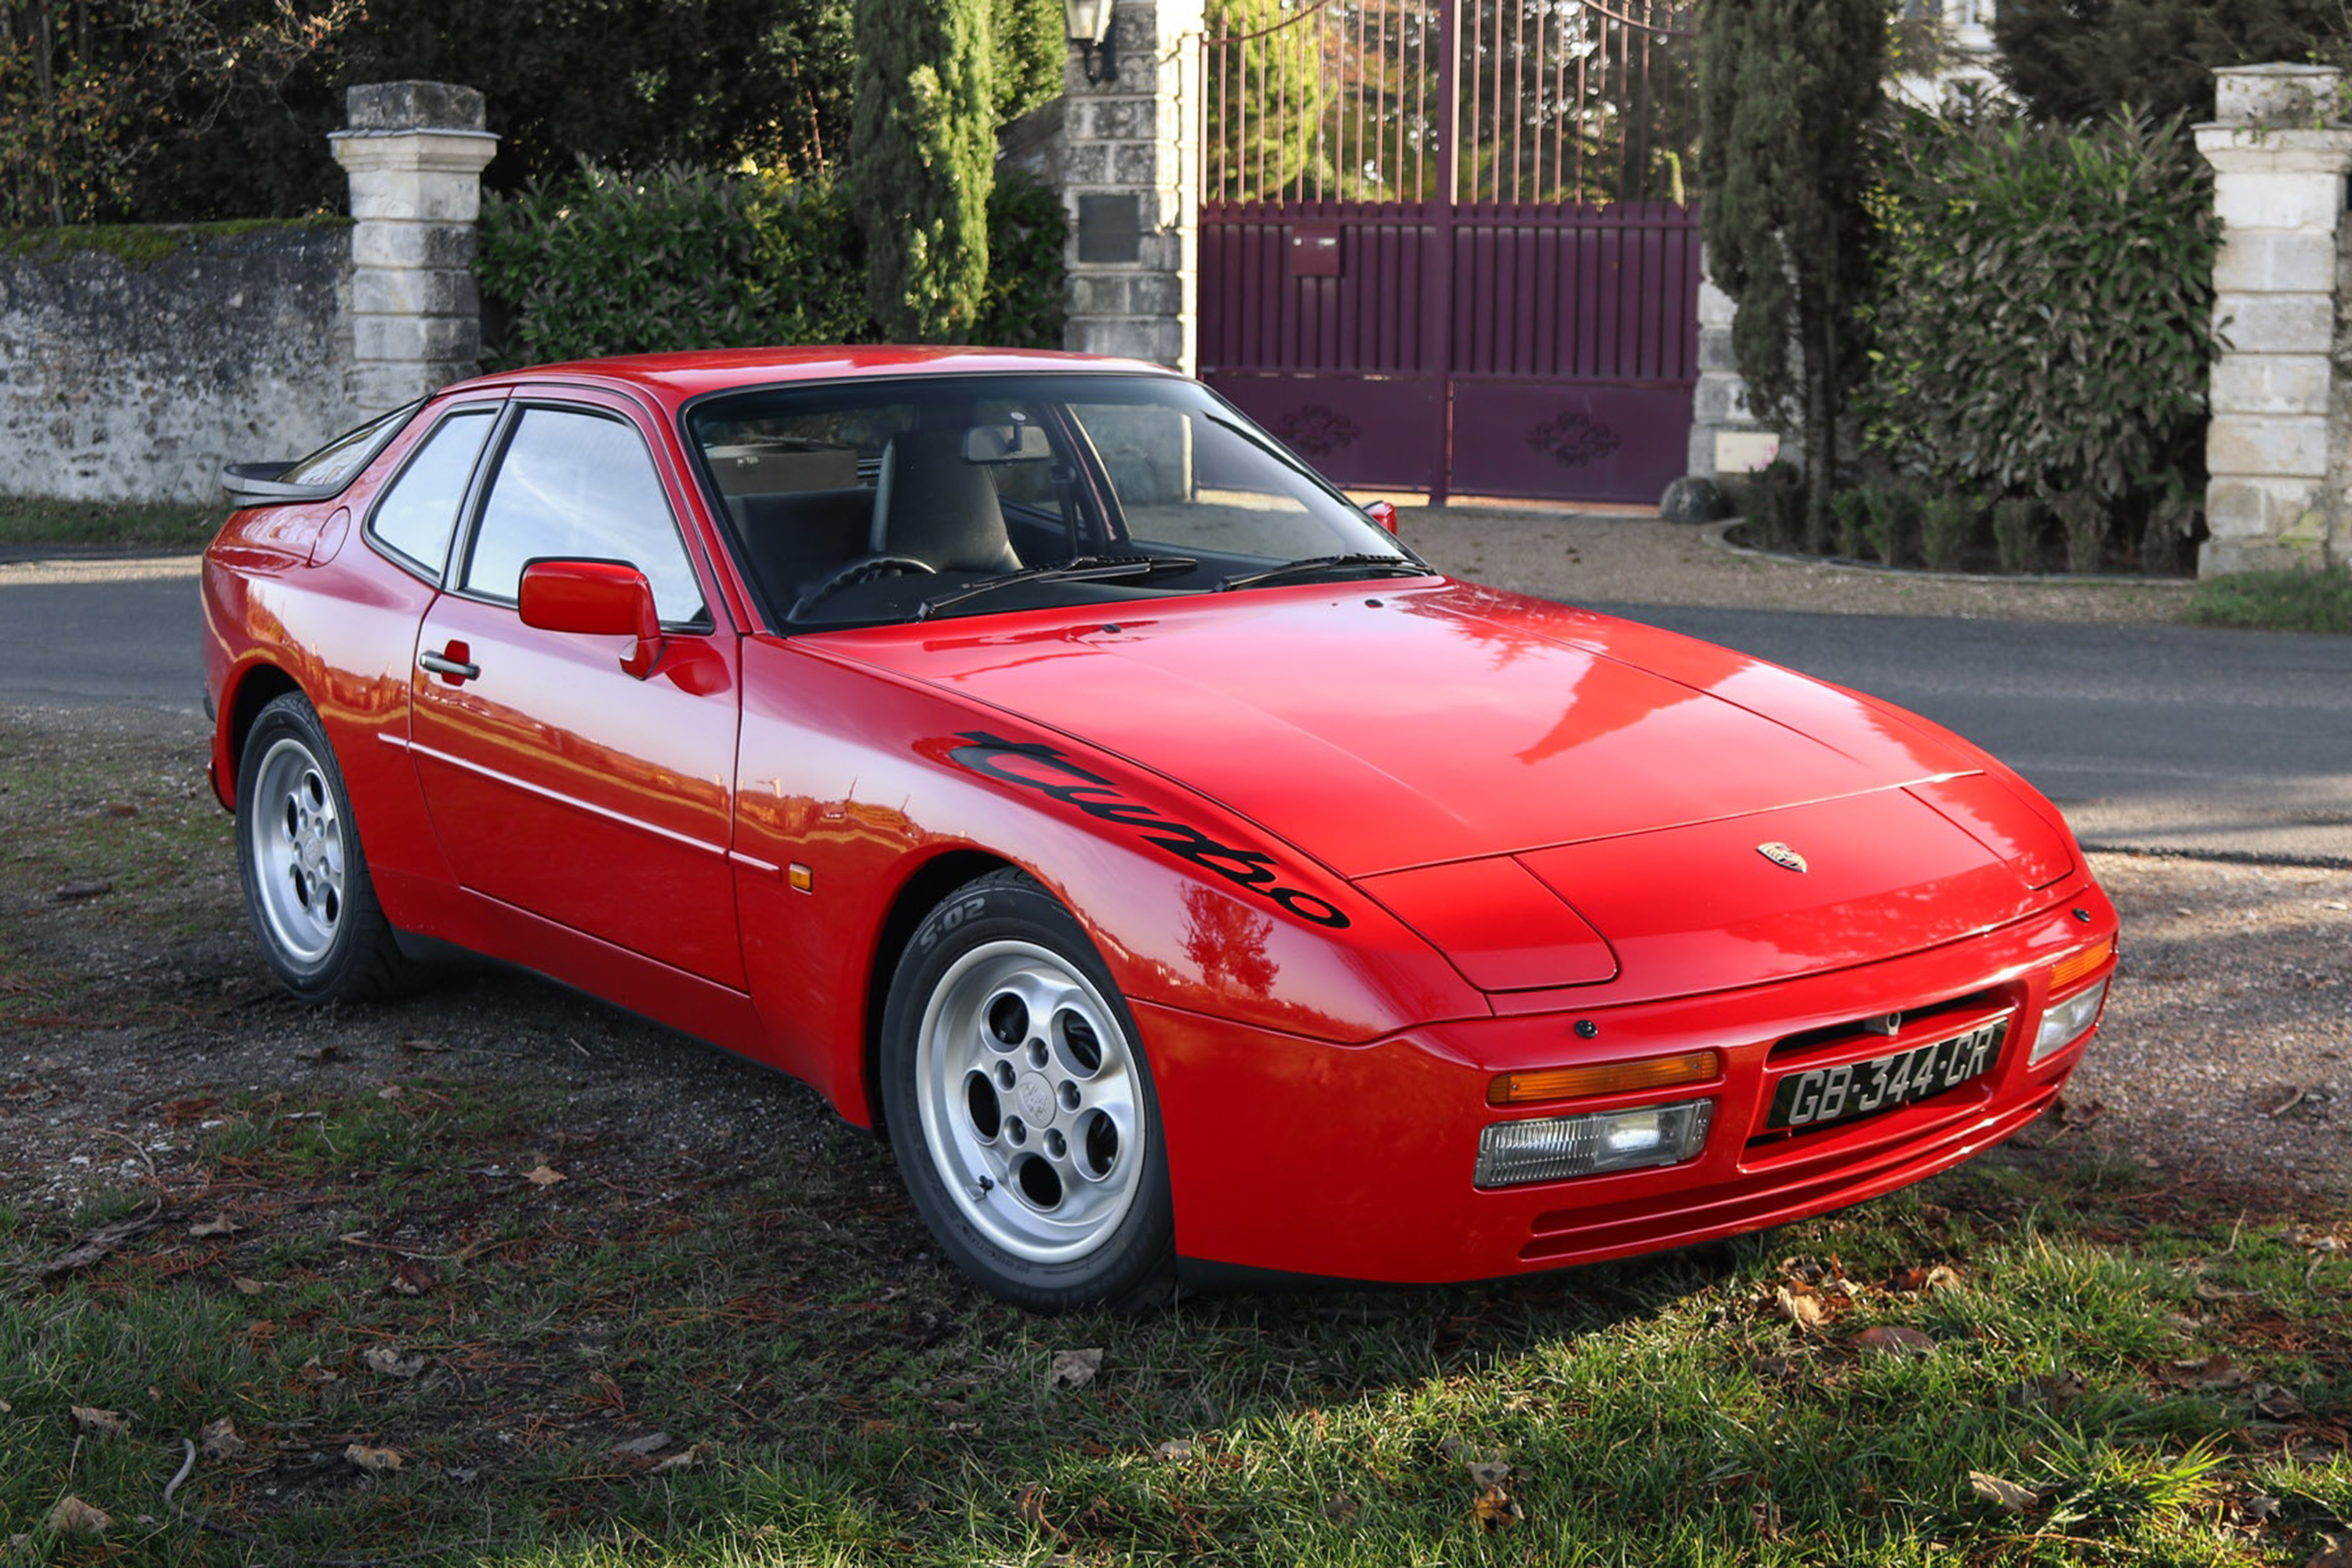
x: 672, y: 379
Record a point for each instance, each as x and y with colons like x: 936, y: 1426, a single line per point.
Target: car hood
x: 1379, y: 729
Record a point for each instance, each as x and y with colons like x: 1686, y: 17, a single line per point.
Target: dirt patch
x: 132, y: 1000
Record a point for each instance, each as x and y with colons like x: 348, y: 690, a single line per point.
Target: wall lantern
x: 1088, y: 24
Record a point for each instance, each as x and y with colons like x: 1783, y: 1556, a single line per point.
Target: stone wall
x: 133, y: 372
x: 136, y: 380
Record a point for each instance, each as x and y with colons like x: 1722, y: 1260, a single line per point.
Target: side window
x: 419, y: 512
x: 576, y: 485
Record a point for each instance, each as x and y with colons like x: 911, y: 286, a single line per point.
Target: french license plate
x: 1824, y: 1095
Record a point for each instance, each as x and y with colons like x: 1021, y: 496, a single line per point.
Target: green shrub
x: 1893, y: 529
x: 601, y: 262
x: 1851, y: 511
x: 2017, y: 534
x: 1948, y: 529
x: 2043, y: 309
x: 1773, y: 501
x: 2084, y: 517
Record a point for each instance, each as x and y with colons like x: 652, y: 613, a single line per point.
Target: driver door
x: 559, y: 784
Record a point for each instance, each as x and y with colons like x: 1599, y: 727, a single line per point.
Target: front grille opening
x: 1807, y: 1042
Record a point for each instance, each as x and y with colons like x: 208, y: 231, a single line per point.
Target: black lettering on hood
x: 1049, y: 772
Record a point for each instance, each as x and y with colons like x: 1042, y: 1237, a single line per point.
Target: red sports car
x: 1033, y: 756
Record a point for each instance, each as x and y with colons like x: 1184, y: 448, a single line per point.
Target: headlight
x: 1554, y: 1148
x: 2067, y: 1021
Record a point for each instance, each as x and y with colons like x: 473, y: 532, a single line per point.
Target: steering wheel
x: 864, y: 569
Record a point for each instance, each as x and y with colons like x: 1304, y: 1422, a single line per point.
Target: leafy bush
x: 2017, y: 534
x: 2084, y: 516
x: 1894, y: 527
x: 601, y: 262
x: 2043, y: 309
x: 1851, y: 511
x: 2070, y: 61
x: 1773, y: 501
x: 1948, y: 529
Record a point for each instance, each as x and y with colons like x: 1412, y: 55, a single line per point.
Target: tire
x: 1020, y: 1107
x: 298, y: 854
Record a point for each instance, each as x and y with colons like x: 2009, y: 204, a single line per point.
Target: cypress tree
x: 923, y: 159
x: 1786, y: 89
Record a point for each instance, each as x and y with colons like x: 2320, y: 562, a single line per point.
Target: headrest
x: 931, y: 504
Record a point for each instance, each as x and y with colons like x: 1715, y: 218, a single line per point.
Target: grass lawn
x: 162, y: 527
x: 420, y: 1319
x: 2292, y: 601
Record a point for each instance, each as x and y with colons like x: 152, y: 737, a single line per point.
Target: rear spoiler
x: 258, y: 484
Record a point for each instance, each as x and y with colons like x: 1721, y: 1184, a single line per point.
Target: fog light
x: 2063, y: 1022
x: 1512, y: 1153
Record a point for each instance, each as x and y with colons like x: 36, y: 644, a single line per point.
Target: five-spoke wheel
x: 1020, y: 1105
x: 306, y: 884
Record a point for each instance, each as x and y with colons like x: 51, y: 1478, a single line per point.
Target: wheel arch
x: 922, y: 891
x: 255, y: 688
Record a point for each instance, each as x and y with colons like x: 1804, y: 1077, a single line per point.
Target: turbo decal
x: 1049, y: 772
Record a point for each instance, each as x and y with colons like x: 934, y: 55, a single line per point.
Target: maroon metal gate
x: 1442, y: 242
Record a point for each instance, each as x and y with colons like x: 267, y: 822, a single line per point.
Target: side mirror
x: 1384, y: 513
x: 597, y: 599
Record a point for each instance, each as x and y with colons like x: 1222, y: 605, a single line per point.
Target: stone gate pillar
x: 415, y: 152
x: 2278, y: 164
x: 1130, y: 161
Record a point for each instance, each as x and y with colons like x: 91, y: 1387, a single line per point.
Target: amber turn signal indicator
x: 2072, y: 968
x: 1616, y: 1077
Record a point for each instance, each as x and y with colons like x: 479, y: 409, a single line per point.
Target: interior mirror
x: 1006, y: 443
x: 593, y: 598
x: 1384, y: 513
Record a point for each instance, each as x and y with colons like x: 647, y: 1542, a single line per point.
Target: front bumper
x: 1356, y: 1162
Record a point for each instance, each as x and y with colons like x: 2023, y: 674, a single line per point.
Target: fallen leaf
x: 1497, y: 1510
x: 317, y: 1376
x: 544, y: 1176
x: 2261, y: 1505
x: 2213, y: 1371
x: 2059, y: 1388
x: 1339, y: 1508
x: 2008, y: 1495
x: 2280, y: 1405
x: 1175, y: 1451
x: 74, y: 1517
x: 1032, y: 1504
x: 245, y: 1286
x: 95, y: 1246
x: 2206, y: 1290
x: 390, y: 1092
x: 390, y: 1363
x: 685, y: 1461
x: 1801, y: 1304
x: 1074, y: 1369
x: 374, y: 1461
x: 645, y: 1446
x: 424, y: 1047
x: 220, y: 1225
x: 219, y: 1440
x: 1452, y: 1448
x: 1894, y: 1338
x: 94, y: 1423
x: 321, y: 1055
x: 411, y: 1278
x: 94, y: 888
x: 1489, y: 1472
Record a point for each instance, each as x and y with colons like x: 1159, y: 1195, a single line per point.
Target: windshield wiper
x: 1388, y: 565
x: 1083, y: 569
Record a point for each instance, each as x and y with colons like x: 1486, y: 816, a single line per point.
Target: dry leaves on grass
x: 74, y: 1517
x: 2007, y: 1495
x: 390, y: 1362
x: 1893, y: 1340
x: 92, y: 1422
x: 219, y: 1225
x: 373, y: 1460
x: 544, y: 1175
x: 219, y: 1440
x: 1074, y: 1369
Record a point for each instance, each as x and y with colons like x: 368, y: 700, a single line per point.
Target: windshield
x: 868, y: 502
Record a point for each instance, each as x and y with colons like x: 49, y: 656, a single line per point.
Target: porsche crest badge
x: 1782, y: 856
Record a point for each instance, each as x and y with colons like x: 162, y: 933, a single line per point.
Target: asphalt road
x: 2165, y: 737
x: 2174, y: 738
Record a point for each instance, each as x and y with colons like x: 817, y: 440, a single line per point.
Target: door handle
x: 451, y: 664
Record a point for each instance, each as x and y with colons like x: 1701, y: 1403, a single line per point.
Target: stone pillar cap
x: 2280, y: 95
x: 392, y: 106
